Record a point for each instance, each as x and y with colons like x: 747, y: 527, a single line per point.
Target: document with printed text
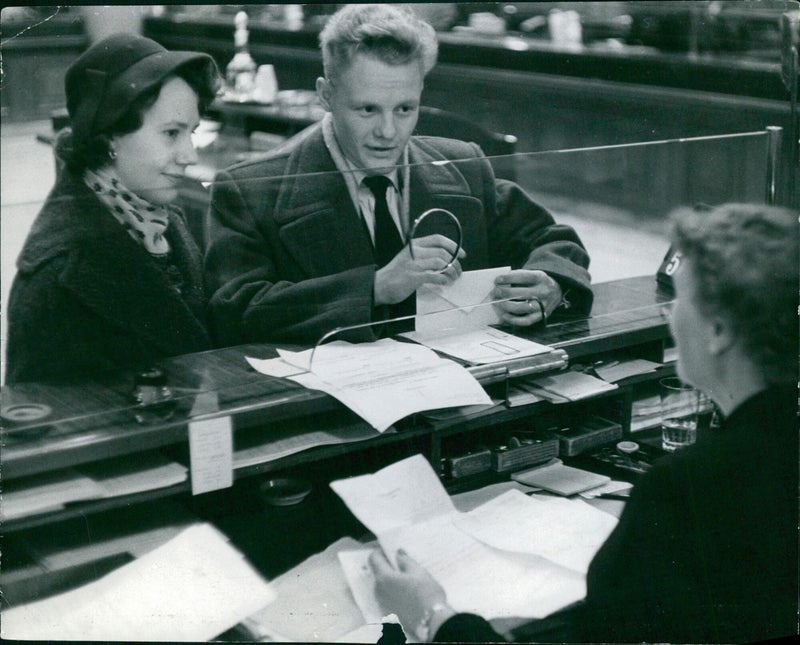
x: 406, y: 506
x: 385, y: 381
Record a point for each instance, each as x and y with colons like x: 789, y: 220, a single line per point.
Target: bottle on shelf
x: 240, y: 73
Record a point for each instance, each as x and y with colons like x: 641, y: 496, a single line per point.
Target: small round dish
x: 283, y: 491
x: 25, y: 420
x: 627, y: 447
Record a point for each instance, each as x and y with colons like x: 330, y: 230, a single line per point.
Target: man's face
x: 374, y: 108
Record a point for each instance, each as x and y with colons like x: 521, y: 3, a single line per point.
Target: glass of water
x: 680, y: 405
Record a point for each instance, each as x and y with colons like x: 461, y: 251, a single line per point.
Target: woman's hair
x: 94, y: 153
x: 746, y: 267
x: 392, y: 34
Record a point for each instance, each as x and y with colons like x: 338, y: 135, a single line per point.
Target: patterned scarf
x: 145, y: 222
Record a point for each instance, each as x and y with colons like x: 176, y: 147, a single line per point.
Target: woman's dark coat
x: 88, y: 298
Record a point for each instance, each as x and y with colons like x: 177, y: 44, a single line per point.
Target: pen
x: 624, y: 498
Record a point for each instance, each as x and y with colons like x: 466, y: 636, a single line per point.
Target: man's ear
x: 324, y: 93
x: 721, y: 337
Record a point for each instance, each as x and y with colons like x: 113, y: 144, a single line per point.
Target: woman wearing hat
x: 109, y: 276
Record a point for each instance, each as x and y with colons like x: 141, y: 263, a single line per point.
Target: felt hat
x: 101, y: 84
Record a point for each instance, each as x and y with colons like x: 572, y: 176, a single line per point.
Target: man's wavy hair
x: 746, y: 266
x: 392, y: 34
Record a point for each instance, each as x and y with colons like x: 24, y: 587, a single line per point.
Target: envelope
x: 471, y: 293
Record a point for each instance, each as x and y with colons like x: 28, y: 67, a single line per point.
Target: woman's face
x: 691, y: 331
x: 151, y: 160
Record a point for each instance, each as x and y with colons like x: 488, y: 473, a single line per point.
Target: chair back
x: 441, y: 123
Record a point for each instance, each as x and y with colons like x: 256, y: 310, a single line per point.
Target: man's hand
x: 526, y: 287
x: 408, y: 591
x: 404, y: 275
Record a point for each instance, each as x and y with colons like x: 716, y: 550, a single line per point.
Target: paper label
x: 211, y: 454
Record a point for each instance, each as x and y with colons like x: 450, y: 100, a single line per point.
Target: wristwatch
x: 423, y: 629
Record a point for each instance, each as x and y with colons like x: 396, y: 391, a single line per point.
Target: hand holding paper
x: 462, y: 305
x: 406, y: 506
x: 534, y: 296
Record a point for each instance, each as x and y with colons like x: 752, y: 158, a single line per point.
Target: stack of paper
x: 512, y: 556
x: 566, y: 386
x: 382, y: 382
x: 619, y: 370
x: 480, y: 346
x: 554, y: 477
x: 109, y: 478
x: 456, y: 319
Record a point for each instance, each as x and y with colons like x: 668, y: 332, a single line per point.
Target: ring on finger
x: 446, y: 267
x: 542, y: 312
x: 541, y: 308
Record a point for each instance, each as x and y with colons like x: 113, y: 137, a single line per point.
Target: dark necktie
x: 388, y: 243
x: 387, y: 239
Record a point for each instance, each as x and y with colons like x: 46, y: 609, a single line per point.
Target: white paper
x: 480, y: 346
x: 405, y: 505
x: 572, y: 385
x: 483, y: 580
x: 406, y: 492
x: 567, y: 532
x: 47, y: 492
x: 274, y: 367
x: 370, y: 633
x: 471, y: 291
x: 191, y: 589
x: 624, y: 369
x: 289, y: 443
x: 358, y: 573
x: 313, y: 604
x: 124, y: 476
x: 102, y: 479
x: 211, y: 454
x: 609, y: 488
x: 387, y: 380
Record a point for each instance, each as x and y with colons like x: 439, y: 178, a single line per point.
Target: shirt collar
x: 353, y: 175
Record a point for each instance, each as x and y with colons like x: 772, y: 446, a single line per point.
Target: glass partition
x: 583, y: 188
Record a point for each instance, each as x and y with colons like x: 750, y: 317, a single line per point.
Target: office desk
x: 96, y: 421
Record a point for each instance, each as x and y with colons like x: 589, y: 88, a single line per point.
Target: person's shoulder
x: 61, y: 224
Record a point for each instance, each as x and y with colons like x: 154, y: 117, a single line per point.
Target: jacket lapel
x: 318, y: 222
x: 444, y: 185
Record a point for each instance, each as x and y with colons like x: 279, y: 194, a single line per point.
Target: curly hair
x: 93, y: 153
x: 389, y: 33
x: 746, y: 266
